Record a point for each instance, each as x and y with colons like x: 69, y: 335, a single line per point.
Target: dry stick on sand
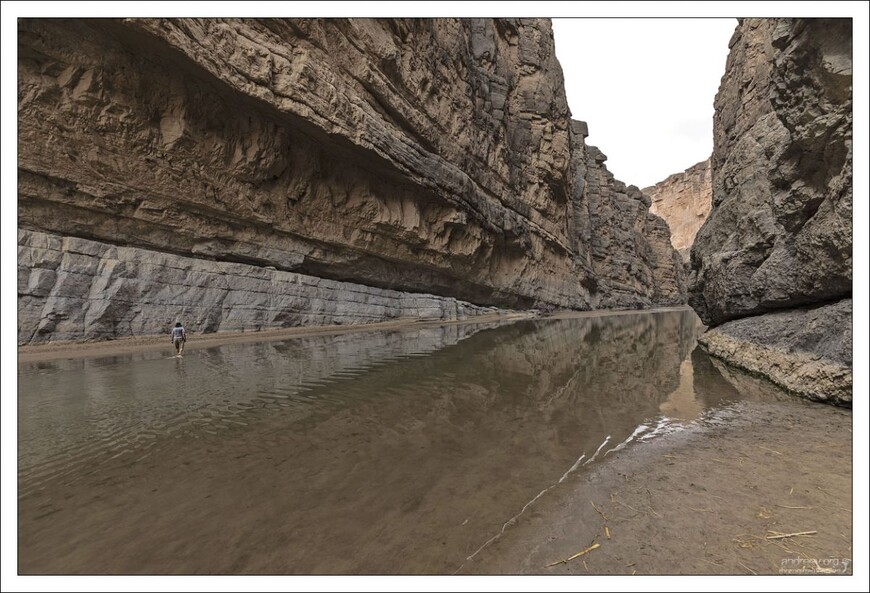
x: 577, y: 555
x: 779, y: 544
x: 783, y: 506
x: 783, y: 535
x: 599, y: 511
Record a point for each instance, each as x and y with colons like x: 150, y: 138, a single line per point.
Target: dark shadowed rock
x: 630, y: 249
x: 779, y: 236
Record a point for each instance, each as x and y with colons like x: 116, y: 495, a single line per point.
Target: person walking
x: 178, y: 337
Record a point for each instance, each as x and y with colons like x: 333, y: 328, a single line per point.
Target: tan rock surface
x: 683, y: 200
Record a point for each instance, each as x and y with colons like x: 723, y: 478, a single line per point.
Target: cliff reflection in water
x: 381, y: 452
x: 83, y: 410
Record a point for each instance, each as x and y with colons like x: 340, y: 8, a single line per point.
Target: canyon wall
x: 779, y: 237
x: 421, y: 156
x: 71, y: 288
x: 683, y: 200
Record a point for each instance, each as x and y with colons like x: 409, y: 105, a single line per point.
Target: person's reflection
x: 179, y: 368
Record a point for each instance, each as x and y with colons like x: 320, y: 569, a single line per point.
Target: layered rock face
x: 632, y: 259
x: 683, y: 200
x: 70, y: 288
x: 424, y: 156
x: 779, y: 235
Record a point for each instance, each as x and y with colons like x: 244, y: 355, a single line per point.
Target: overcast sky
x: 646, y: 89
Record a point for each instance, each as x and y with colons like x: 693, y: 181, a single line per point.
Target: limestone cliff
x: 633, y: 262
x: 779, y: 236
x: 423, y: 156
x: 683, y: 200
x: 70, y: 288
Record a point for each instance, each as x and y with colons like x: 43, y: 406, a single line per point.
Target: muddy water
x: 370, y: 453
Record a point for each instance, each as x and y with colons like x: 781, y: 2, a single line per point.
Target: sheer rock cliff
x: 778, y: 241
x: 429, y: 157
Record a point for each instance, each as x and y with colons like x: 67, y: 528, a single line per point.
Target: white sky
x: 647, y: 117
x: 646, y: 89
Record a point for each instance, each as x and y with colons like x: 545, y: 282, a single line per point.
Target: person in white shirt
x: 178, y: 337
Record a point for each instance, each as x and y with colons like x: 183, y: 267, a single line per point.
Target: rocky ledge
x: 75, y: 289
x: 806, y: 351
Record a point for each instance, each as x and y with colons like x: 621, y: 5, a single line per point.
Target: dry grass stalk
x: 598, y: 510
x: 778, y: 535
x: 577, y: 555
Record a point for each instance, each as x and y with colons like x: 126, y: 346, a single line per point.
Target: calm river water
x: 379, y: 452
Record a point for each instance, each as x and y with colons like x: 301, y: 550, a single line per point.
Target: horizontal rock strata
x: 423, y: 155
x: 75, y: 289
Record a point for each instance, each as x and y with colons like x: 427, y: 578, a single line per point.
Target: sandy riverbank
x: 59, y: 350
x: 720, y: 498
x: 56, y: 350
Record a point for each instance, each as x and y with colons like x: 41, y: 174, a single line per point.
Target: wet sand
x: 709, y: 500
